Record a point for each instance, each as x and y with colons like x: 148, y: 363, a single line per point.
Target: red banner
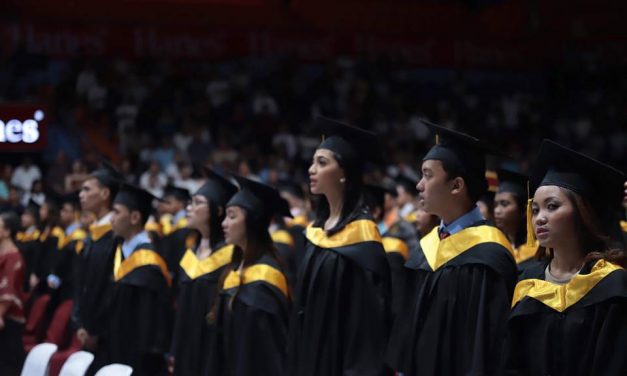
x: 169, y: 42
x: 22, y: 128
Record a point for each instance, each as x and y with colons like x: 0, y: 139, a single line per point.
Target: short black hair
x: 11, y: 222
x: 475, y: 187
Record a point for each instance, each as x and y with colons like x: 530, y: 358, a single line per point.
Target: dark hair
x: 216, y: 235
x: 590, y: 228
x: 521, y: 231
x: 11, y: 223
x: 352, y: 199
x: 475, y: 186
x: 53, y: 214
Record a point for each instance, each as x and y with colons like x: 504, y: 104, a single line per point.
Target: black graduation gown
x: 193, y: 338
x: 140, y: 311
x: 173, y: 244
x: 253, y: 321
x: 50, y: 240
x: 94, y: 270
x: 30, y: 248
x: 296, y: 227
x: 64, y: 261
x: 575, y: 329
x: 286, y: 249
x: 455, y: 316
x: 342, y: 307
x: 397, y: 253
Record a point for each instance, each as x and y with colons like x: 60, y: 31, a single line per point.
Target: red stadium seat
x: 59, y: 328
x: 35, y: 327
x: 59, y: 358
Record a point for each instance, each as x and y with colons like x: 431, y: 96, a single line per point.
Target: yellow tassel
x: 531, y: 236
x: 437, y: 139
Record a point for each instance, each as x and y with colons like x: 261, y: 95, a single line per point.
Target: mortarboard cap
x: 408, y: 184
x: 462, y: 151
x: 598, y: 183
x: 353, y: 145
x: 178, y: 193
x: 292, y: 188
x: 513, y: 182
x: 217, y: 189
x: 135, y: 198
x: 108, y: 175
x: 260, y: 200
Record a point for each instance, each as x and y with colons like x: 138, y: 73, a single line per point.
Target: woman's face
x: 553, y: 217
x: 28, y: 220
x: 198, y: 213
x: 43, y: 212
x: 506, y: 212
x: 325, y: 173
x: 234, y: 226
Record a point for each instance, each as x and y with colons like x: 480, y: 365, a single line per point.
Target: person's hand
x: 170, y: 361
x: 91, y: 343
x: 33, y: 281
x: 82, y: 335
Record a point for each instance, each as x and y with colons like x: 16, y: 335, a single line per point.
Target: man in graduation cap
x: 174, y: 231
x: 406, y: 197
x: 463, y: 271
x: 62, y: 272
x: 140, y: 302
x: 96, y: 259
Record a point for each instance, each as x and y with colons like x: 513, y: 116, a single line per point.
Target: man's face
x: 121, y: 220
x: 92, y: 194
x: 434, y: 189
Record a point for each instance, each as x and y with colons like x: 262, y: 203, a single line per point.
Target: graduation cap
x: 408, y: 184
x: 461, y: 151
x: 32, y: 207
x: 374, y: 195
x: 135, y: 198
x: 292, y: 188
x: 217, y: 189
x: 180, y: 194
x: 598, y: 183
x: 513, y: 182
x: 108, y: 175
x: 71, y: 198
x: 353, y: 145
x: 260, y: 200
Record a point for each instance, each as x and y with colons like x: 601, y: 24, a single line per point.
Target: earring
x: 343, y: 180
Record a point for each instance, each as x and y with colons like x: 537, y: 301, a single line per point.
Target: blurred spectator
x: 186, y: 179
x: 5, y: 180
x: 25, y: 174
x: 56, y: 173
x: 36, y: 193
x: 13, y: 202
x: 128, y: 169
x: 75, y: 178
x: 153, y: 180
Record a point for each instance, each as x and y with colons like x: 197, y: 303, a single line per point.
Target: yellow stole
x: 358, y: 231
x: 560, y: 297
x: 195, y: 268
x: 395, y: 245
x: 439, y: 252
x: 257, y: 273
x: 139, y: 258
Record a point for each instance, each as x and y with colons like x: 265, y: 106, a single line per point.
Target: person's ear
x: 135, y: 218
x: 458, y: 185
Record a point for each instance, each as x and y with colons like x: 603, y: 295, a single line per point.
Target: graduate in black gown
x: 201, y: 268
x: 50, y: 239
x: 29, y: 245
x: 570, y: 308
x: 342, y: 302
x: 140, y: 305
x: 174, y: 230
x: 95, y: 263
x: 62, y: 273
x: 396, y: 249
x: 464, y: 273
x: 252, y: 313
x: 510, y: 214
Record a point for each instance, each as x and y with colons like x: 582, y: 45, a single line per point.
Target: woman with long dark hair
x: 201, y: 266
x: 569, y: 308
x: 252, y: 312
x: 342, y: 300
x: 510, y: 214
x: 12, y: 272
